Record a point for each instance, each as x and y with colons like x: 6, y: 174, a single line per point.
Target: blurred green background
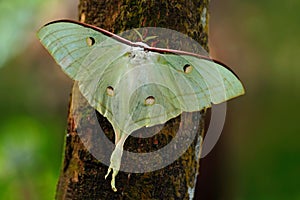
x: 260, y: 151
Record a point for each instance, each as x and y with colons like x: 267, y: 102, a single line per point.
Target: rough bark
x: 82, y: 176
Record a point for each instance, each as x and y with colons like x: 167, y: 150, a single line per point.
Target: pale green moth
x: 134, y: 85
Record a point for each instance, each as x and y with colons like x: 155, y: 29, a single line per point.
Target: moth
x: 132, y: 84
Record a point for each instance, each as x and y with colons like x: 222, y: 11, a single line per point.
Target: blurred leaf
x: 26, y: 159
x: 17, y: 19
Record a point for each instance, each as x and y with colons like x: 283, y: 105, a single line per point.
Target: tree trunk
x: 82, y: 175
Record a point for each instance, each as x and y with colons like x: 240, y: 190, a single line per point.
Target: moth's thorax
x: 141, y: 44
x: 138, y: 55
